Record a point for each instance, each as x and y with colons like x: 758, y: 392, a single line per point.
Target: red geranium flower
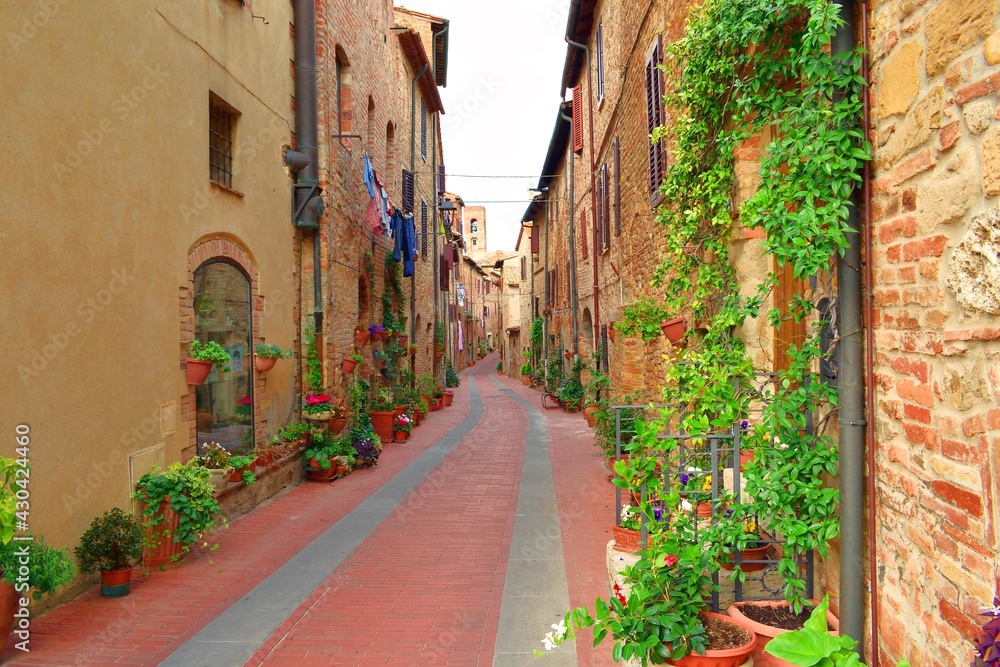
x: 669, y: 561
x: 246, y: 400
x: 317, y: 399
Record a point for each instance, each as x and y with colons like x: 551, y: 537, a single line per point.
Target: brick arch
x: 229, y: 249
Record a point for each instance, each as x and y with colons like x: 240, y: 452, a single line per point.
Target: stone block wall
x: 935, y: 223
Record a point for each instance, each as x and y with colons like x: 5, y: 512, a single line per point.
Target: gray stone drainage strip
x: 535, y: 592
x: 235, y: 635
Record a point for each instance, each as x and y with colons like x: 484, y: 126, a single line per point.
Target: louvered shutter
x: 605, y: 208
x: 584, y: 238
x: 598, y: 211
x: 524, y: 268
x: 407, y: 191
x: 423, y: 129
x: 423, y: 229
x: 599, y: 47
x: 441, y: 176
x: 618, y: 188
x: 654, y: 116
x: 578, y: 118
x: 604, y: 347
x: 534, y: 240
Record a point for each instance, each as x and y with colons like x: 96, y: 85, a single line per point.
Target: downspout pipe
x: 307, y: 137
x: 593, y: 185
x: 869, y: 347
x: 413, y: 170
x: 436, y: 278
x: 548, y: 286
x: 851, y: 389
x: 574, y: 291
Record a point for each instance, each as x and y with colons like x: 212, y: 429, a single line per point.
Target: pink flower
x: 317, y: 399
x: 670, y: 561
x: 246, y: 400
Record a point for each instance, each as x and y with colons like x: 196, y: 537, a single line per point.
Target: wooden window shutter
x: 423, y: 229
x: 441, y: 175
x: 654, y: 116
x: 584, y: 238
x: 604, y: 347
x: 423, y: 129
x: 598, y: 222
x: 599, y: 47
x: 578, y: 118
x: 618, y: 188
x: 407, y: 191
x: 534, y: 240
x: 524, y: 268
x: 605, y: 204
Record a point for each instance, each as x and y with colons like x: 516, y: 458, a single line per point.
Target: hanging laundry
x: 369, y: 176
x: 460, y: 344
x: 373, y: 219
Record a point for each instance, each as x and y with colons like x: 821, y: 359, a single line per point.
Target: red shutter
x: 618, y: 189
x: 578, y: 118
x: 584, y: 239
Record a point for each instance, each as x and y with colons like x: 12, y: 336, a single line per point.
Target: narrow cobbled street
x: 461, y: 547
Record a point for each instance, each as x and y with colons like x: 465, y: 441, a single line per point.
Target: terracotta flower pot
x: 612, y: 333
x: 347, y: 365
x: 8, y: 606
x: 440, y: 403
x: 589, y: 414
x: 751, y: 554
x: 197, y: 371
x: 337, y: 425
x: 361, y: 338
x: 731, y: 657
x: 626, y: 540
x: 163, y: 549
x: 765, y: 633
x: 674, y: 329
x: 404, y: 339
x: 264, y: 364
x: 382, y: 423
x: 116, y: 583
x: 401, y: 436
x: 448, y: 398
x: 526, y: 380
x: 418, y: 417
x: 746, y: 456
x: 219, y: 478
x: 377, y: 336
x: 704, y: 510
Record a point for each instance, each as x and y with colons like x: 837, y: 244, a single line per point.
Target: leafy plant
x: 526, y: 368
x: 537, y: 338
x: 988, y: 648
x: 321, y: 455
x: 554, y: 372
x: 213, y: 455
x: 191, y: 495
x: 384, y: 401
x: 814, y: 645
x: 439, y: 335
x: 238, y: 462
x: 314, y: 367
x: 571, y: 393
x: 49, y: 568
x: 402, y: 423
x: 113, y: 542
x: 426, y: 385
x: 10, y: 478
x: 356, y: 357
x: 293, y: 432
x: 641, y: 318
x: 269, y: 351
x: 317, y: 404
x: 499, y: 367
x: 248, y: 477
x: 450, y: 375
x: 211, y: 351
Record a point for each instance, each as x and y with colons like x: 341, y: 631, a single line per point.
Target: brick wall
x: 937, y: 160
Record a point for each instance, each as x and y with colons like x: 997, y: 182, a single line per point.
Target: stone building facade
x: 934, y: 216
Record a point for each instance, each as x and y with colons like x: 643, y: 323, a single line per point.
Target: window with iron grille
x: 221, y: 123
x: 604, y: 347
x: 423, y: 229
x: 524, y: 268
x: 584, y: 238
x: 599, y: 47
x: 423, y: 130
x: 605, y: 205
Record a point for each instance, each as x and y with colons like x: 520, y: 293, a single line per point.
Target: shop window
x: 222, y: 307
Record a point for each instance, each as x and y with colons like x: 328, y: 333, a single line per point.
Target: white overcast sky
x: 505, y: 62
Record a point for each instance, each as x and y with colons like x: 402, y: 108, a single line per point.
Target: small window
x: 475, y: 226
x: 221, y: 126
x: 342, y: 67
x: 474, y: 242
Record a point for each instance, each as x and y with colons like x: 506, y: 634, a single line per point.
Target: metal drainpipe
x: 869, y: 348
x: 574, y: 291
x: 852, y: 404
x: 306, y: 132
x: 413, y: 170
x: 434, y: 215
x: 548, y: 284
x: 593, y: 184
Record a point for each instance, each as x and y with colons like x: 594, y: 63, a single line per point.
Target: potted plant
x: 294, y: 435
x: 319, y: 463
x: 50, y: 568
x: 179, y: 508
x: 641, y: 318
x: 816, y: 644
x: 112, y: 545
x: 215, y: 458
x: 626, y: 532
x: 382, y: 413
x: 752, y: 551
x: 426, y: 386
x: 203, y: 357
x: 381, y: 358
x: 674, y: 329
x: 317, y: 407
x: 526, y: 374
x: 267, y: 356
x: 349, y: 363
x: 770, y: 619
x: 241, y: 466
x: 361, y: 335
x: 338, y: 418
x: 402, y: 426
x: 377, y: 332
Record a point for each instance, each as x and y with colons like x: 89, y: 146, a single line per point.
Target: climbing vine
x: 745, y: 71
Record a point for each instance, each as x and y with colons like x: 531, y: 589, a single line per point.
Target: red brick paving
x: 586, y: 501
x: 169, y: 607
x: 425, y: 588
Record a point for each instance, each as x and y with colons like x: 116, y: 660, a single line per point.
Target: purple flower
x: 744, y: 424
x: 685, y: 478
x: 658, y: 514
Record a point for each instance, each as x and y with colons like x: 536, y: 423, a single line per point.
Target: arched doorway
x: 222, y: 310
